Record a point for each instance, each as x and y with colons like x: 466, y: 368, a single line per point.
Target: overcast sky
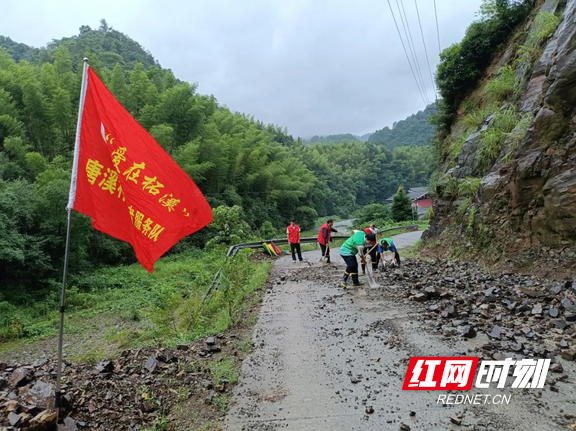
x: 317, y: 67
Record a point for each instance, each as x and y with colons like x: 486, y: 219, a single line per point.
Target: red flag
x: 128, y: 184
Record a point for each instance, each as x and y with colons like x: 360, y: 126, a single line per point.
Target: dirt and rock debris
x: 326, y: 358
x: 158, y: 388
x: 334, y: 359
x: 131, y: 392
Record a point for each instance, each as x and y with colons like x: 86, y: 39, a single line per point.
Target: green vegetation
x: 107, y: 47
x: 507, y: 125
x: 462, y: 64
x: 516, y: 135
x: 467, y: 189
x: 456, y: 148
x: 492, y: 140
x: 169, y: 306
x: 373, y: 213
x: 225, y: 370
x: 358, y: 174
x: 401, y: 206
x: 255, y: 176
x: 334, y: 139
x: 505, y: 84
x: 544, y: 26
x: 415, y: 130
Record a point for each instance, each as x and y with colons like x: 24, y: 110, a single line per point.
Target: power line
x: 408, y: 33
x: 410, y: 48
x: 437, y: 29
x: 426, y: 51
x: 406, y: 52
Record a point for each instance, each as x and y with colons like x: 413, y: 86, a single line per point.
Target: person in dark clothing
x: 293, y: 232
x: 324, y: 238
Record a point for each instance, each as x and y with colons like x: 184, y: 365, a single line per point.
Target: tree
x: 140, y: 87
x: 373, y: 213
x: 401, y: 206
x: 104, y: 26
x: 118, y: 85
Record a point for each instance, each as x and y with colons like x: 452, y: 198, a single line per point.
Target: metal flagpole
x: 71, y: 197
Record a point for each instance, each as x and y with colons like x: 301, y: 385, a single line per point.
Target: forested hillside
x: 338, y: 138
x: 254, y: 175
x: 415, y: 130
x: 105, y: 46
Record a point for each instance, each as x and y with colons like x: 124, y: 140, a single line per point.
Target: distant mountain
x: 104, y: 46
x: 413, y: 131
x: 19, y: 51
x: 365, y: 137
x: 332, y: 139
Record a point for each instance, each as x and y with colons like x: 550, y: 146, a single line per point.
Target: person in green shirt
x: 386, y: 244
x: 356, y: 243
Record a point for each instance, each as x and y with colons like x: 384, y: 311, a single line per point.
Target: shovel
x: 370, y: 275
x: 323, y: 257
x: 371, y: 281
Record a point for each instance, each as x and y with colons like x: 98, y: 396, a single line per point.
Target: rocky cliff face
x: 528, y: 196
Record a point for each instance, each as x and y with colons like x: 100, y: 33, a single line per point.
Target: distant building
x: 420, y: 199
x: 421, y: 203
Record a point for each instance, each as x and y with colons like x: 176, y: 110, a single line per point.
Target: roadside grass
x: 226, y: 370
x: 123, y: 307
x: 411, y: 252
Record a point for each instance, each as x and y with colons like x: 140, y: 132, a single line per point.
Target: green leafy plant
x: 505, y: 84
x: 456, y: 148
x: 225, y: 370
x: 222, y: 402
x: 516, y: 136
x: 492, y: 140
x: 543, y: 27
x: 468, y: 187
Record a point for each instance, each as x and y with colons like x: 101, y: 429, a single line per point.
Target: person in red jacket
x: 293, y: 232
x: 324, y: 237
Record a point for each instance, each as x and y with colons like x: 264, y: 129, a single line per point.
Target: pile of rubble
x: 521, y: 314
x: 129, y: 393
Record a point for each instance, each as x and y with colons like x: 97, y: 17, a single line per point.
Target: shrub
x: 516, y: 135
x: 490, y: 146
x: 456, y: 148
x: 505, y: 84
x: 401, y: 206
x: 371, y: 213
x: 543, y: 27
x: 468, y: 187
x: 492, y: 140
x: 462, y: 64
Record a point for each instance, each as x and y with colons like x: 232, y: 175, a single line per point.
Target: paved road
x: 343, y: 226
x: 323, y: 355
